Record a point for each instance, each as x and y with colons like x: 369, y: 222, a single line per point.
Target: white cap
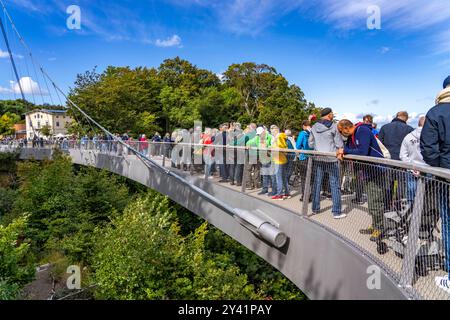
x: 260, y: 130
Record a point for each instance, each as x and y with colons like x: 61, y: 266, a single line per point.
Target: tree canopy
x: 177, y: 93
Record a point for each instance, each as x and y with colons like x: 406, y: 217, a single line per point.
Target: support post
x: 409, y: 259
x: 307, y: 188
x: 244, y: 171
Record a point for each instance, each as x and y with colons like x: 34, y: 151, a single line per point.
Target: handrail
x: 438, y: 172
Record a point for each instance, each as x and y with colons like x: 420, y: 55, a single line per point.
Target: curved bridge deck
x: 324, y: 257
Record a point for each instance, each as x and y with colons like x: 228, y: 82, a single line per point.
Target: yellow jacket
x: 279, y: 157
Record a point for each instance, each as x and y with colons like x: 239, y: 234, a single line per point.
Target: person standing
x: 302, y: 144
x: 392, y: 135
x: 290, y: 157
x: 326, y: 138
x: 259, y: 146
x: 253, y: 168
x: 410, y: 153
x: 236, y: 155
x: 280, y: 161
x: 208, y: 152
x: 435, y: 149
x: 221, y: 154
x: 362, y: 142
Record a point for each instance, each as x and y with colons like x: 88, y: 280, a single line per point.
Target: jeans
x: 445, y: 220
x: 334, y: 181
x: 281, y: 179
x: 223, y: 169
x: 236, y: 171
x: 411, y: 186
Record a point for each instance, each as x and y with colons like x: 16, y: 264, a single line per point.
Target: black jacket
x: 392, y: 135
x: 435, y: 139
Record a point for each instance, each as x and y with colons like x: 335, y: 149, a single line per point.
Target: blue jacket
x: 302, y: 144
x: 363, y: 143
x: 392, y: 135
x: 435, y: 138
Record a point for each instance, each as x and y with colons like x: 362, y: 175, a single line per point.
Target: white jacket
x: 410, y: 150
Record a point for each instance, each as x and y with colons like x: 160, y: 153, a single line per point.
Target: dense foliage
x: 177, y: 93
x: 142, y: 255
x: 133, y: 244
x: 16, y: 268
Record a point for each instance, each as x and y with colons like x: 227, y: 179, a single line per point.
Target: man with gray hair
x: 325, y: 137
x: 392, y: 135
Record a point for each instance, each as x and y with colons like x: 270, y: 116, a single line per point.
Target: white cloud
x: 402, y: 16
x: 174, y: 41
x: 5, y: 54
x: 379, y: 119
x: 29, y: 86
x: 385, y: 50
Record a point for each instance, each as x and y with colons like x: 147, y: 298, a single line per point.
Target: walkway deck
x: 348, y: 229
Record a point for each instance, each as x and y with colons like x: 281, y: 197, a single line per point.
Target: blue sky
x: 324, y: 46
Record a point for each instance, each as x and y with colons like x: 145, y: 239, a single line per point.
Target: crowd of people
x: 267, y: 164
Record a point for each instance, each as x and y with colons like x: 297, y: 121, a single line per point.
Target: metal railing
x: 396, y: 213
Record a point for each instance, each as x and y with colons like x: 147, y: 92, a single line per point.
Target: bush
x: 143, y: 256
x: 16, y: 267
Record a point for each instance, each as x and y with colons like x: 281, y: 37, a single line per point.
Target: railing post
x: 307, y: 187
x: 409, y: 258
x: 244, y: 171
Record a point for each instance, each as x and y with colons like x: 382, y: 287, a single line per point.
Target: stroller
x: 397, y: 225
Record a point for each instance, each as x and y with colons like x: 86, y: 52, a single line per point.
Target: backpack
x: 384, y: 151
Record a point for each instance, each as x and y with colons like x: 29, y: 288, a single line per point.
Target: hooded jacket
x: 262, y: 155
x: 325, y: 137
x: 363, y: 143
x: 410, y: 150
x: 279, y: 157
x: 303, y: 144
x: 392, y: 135
x: 435, y: 138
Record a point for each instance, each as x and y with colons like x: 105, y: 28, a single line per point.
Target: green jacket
x: 264, y: 156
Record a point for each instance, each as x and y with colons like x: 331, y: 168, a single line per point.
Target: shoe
x: 326, y: 195
x: 367, y: 231
x: 358, y: 202
x: 277, y: 198
x: 376, y: 236
x: 287, y: 196
x: 271, y: 194
x: 232, y: 183
x: 262, y: 193
x: 340, y: 216
x: 223, y: 181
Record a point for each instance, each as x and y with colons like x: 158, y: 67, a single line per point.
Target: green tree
x: 7, y: 122
x: 143, y: 256
x: 16, y: 264
x: 46, y: 131
x: 118, y: 97
x: 65, y: 206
